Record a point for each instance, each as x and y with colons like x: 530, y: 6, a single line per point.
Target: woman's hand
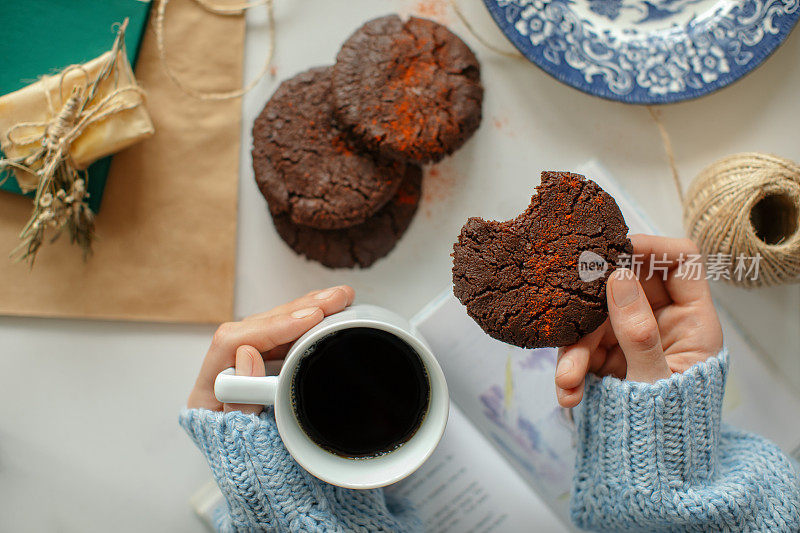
x: 247, y: 344
x: 663, y: 324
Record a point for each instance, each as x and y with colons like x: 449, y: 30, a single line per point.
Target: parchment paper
x: 166, y: 234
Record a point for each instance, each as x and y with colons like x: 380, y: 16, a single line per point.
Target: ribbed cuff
x: 662, y: 435
x: 248, y: 460
x: 266, y: 490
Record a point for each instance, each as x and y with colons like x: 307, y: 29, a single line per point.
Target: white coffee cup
x: 361, y: 473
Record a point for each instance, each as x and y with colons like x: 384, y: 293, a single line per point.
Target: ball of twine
x: 747, y: 205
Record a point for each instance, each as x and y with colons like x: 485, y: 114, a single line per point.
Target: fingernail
x: 625, y: 288
x: 564, y: 366
x: 327, y: 293
x: 303, y: 313
x: 244, y: 362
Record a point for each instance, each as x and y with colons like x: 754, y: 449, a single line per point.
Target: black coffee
x: 360, y: 392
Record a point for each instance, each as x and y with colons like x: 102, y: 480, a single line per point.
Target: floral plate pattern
x: 646, y: 51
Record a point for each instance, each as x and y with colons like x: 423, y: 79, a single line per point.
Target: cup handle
x: 230, y: 388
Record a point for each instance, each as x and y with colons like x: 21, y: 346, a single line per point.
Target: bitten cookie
x: 359, y: 245
x: 540, y: 279
x: 409, y: 90
x: 305, y: 167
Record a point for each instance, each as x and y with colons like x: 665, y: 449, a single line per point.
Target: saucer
x: 646, y: 52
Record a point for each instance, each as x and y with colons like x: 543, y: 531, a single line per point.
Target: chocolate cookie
x: 305, y: 167
x: 540, y: 279
x: 410, y: 90
x: 359, y: 245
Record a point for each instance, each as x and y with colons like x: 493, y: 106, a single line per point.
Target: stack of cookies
x: 337, y: 150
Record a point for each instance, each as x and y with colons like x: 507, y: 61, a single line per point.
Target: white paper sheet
x: 509, y: 396
x: 467, y: 487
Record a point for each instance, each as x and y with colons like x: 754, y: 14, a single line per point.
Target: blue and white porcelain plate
x: 646, y: 51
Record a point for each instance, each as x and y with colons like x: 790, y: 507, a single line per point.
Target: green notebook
x: 44, y: 36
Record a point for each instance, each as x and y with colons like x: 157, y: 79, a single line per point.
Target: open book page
x: 509, y: 395
x: 466, y: 486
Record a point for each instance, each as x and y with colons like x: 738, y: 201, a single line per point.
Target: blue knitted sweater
x: 650, y: 458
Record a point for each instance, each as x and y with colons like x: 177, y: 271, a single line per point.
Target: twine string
x: 217, y: 9
x: 70, y: 122
x: 667, y: 142
x: 72, y: 68
x: 718, y: 213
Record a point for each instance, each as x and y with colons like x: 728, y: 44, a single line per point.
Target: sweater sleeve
x: 266, y: 490
x: 655, y: 457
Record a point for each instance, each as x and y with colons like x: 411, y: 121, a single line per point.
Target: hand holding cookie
x: 662, y: 324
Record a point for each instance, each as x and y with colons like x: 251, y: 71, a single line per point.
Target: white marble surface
x: 88, y: 433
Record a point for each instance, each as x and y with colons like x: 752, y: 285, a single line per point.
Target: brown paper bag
x: 166, y: 234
